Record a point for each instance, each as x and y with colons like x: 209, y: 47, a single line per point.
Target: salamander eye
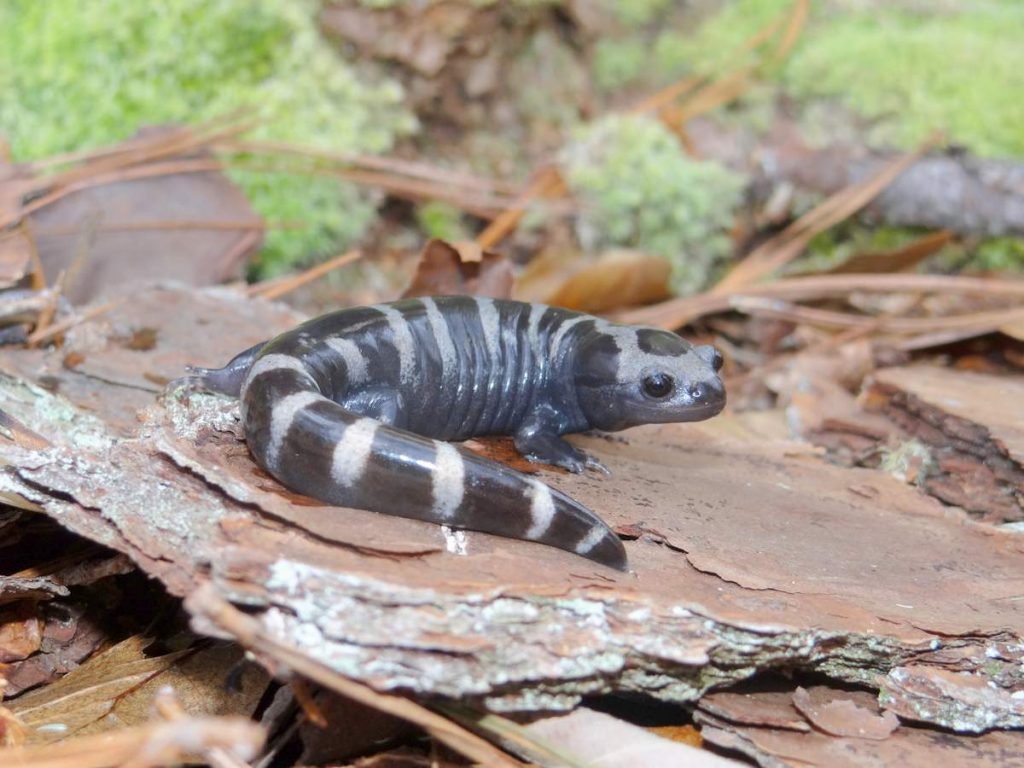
x: 658, y: 385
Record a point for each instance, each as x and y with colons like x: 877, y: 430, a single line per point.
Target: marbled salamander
x: 355, y: 408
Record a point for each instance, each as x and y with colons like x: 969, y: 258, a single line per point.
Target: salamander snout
x: 708, y: 396
x: 698, y: 392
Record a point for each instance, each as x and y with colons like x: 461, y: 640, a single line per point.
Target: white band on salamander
x: 352, y: 452
x: 448, y: 481
x: 443, y: 339
x: 269, y: 363
x: 542, y: 510
x: 490, y: 323
x: 282, y: 416
x: 591, y: 540
x: 356, y: 370
x: 403, y: 342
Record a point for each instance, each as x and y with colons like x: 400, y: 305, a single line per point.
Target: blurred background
x: 684, y: 131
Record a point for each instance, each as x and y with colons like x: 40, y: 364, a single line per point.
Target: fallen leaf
x: 118, y: 687
x: 897, y: 259
x: 153, y: 744
x: 93, y: 219
x: 89, y: 693
x: 614, y: 280
x: 594, y: 738
x: 447, y: 269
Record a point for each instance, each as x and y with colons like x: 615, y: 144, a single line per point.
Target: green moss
x: 1000, y: 254
x: 618, y: 63
x: 441, y: 220
x: 910, y: 461
x: 638, y: 189
x: 82, y: 74
x: 637, y: 12
x: 837, y: 244
x: 958, y: 69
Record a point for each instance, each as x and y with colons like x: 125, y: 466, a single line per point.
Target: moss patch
x: 956, y: 68
x: 82, y: 74
x: 639, y: 189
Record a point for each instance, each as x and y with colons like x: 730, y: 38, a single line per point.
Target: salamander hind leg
x: 384, y: 404
x: 225, y: 381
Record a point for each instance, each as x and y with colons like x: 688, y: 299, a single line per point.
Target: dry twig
x: 275, y: 289
x: 676, y: 313
x: 58, y: 328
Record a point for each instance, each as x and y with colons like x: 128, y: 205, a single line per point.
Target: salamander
x: 358, y: 407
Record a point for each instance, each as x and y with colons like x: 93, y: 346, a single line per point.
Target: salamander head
x: 627, y: 376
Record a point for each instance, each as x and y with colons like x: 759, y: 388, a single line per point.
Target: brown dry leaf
x: 451, y: 269
x: 147, y: 746
x: 898, y: 259
x: 156, y: 193
x: 17, y: 249
x: 88, y: 695
x: 614, y: 280
x: 845, y: 713
x: 118, y: 687
x: 195, y: 228
x: 594, y: 738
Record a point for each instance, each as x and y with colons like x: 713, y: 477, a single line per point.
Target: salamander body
x: 356, y: 408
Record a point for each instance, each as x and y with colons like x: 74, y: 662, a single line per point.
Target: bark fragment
x: 766, y: 557
x: 974, y: 428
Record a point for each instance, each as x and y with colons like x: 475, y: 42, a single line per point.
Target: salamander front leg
x: 538, y: 443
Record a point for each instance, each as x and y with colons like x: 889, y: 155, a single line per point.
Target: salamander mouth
x: 703, y: 411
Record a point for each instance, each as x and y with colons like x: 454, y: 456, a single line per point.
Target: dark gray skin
x: 449, y: 369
